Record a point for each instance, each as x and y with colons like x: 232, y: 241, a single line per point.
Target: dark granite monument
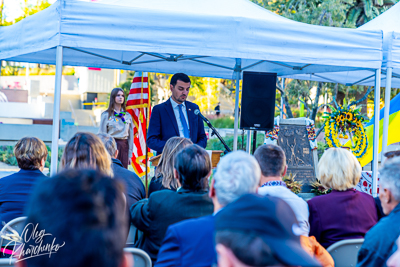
x: 301, y: 160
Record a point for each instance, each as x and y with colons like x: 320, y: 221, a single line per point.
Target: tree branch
x: 361, y: 99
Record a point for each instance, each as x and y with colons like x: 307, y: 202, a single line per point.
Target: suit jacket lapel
x: 170, y: 111
x: 190, y: 114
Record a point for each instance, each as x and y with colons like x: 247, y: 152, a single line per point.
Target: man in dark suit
x: 175, y: 117
x: 153, y: 216
x: 190, y: 242
x: 133, y: 185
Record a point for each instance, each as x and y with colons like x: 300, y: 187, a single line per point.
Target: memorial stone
x: 301, y: 160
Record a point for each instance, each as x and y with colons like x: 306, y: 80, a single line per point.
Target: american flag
x: 138, y: 105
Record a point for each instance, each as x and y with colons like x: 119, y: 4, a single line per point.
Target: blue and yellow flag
x: 393, y: 133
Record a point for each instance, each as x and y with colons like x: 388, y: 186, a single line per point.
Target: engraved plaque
x: 294, y: 141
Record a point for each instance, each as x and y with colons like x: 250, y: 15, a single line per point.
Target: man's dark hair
x: 193, y: 165
x: 247, y: 247
x: 272, y: 160
x: 179, y: 77
x: 85, y: 210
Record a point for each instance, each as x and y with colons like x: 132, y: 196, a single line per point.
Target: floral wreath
x: 344, y: 122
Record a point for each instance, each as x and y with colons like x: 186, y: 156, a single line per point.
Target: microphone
x: 214, y: 131
x: 197, y: 112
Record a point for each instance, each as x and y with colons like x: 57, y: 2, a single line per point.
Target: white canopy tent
x: 389, y: 23
x: 212, y: 38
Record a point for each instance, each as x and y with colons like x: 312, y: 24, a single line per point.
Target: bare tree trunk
x: 316, y: 100
x: 363, y: 103
x: 288, y: 110
x: 340, y: 97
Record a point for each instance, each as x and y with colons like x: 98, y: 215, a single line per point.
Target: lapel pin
x: 190, y: 109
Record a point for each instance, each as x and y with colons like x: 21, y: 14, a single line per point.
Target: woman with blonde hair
x: 164, y: 178
x: 118, y: 123
x: 86, y: 151
x: 15, y: 189
x: 345, y: 213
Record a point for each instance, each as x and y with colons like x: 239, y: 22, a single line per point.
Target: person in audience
x: 387, y: 155
x: 259, y: 231
x: 394, y: 260
x: 86, y: 151
x: 164, y: 178
x: 153, y: 216
x: 345, y: 213
x: 190, y: 242
x: 380, y: 241
x: 272, y: 161
x: 15, y: 189
x: 79, y: 215
x: 135, y: 190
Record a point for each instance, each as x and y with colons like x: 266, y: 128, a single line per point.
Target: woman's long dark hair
x: 114, y: 93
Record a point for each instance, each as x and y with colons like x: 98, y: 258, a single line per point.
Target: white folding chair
x: 13, y: 227
x: 140, y: 257
x: 345, y: 252
x: 7, y: 262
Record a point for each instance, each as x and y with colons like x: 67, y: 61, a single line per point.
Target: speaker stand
x: 254, y: 141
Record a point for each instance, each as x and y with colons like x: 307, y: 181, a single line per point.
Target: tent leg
x: 282, y: 96
x: 237, y: 72
x: 248, y: 144
x: 56, y: 111
x: 376, y: 132
x: 385, y: 133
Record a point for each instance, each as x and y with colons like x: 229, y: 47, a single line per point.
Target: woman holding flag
x: 116, y: 122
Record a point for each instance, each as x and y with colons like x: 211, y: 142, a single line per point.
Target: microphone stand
x: 214, y: 131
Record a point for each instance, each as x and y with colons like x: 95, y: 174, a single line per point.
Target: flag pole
x: 147, y: 123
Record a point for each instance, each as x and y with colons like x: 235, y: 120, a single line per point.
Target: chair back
x: 132, y: 235
x: 6, y: 262
x: 140, y: 257
x: 345, y: 252
x: 17, y: 224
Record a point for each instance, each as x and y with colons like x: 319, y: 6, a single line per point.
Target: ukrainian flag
x: 394, y: 130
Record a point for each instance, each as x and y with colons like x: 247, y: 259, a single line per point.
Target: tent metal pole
x: 237, y: 72
x: 385, y: 133
x: 282, y: 96
x: 56, y: 111
x: 376, y: 133
x: 248, y: 143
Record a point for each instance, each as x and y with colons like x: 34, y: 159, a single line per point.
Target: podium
x: 215, y: 156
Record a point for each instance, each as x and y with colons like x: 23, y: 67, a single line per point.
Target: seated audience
x: 259, y: 231
x: 15, y: 189
x: 164, y: 177
x: 79, y: 215
x: 134, y: 187
x: 380, y: 241
x: 345, y: 213
x: 153, y: 216
x: 86, y: 151
x: 190, y: 242
x: 388, y: 155
x: 272, y: 161
x: 394, y: 260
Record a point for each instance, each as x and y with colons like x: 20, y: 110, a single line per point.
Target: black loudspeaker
x: 258, y: 101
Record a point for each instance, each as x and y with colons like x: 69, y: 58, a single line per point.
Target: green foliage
x: 7, y: 155
x: 321, y: 149
x: 222, y: 122
x: 27, y: 9
x: 215, y: 144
